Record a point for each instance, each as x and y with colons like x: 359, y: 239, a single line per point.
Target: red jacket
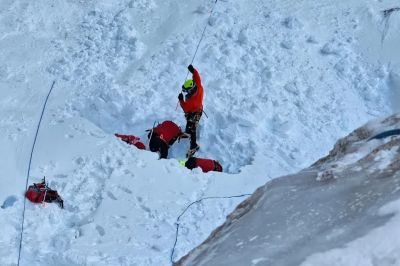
x: 207, y: 165
x: 132, y: 140
x: 195, y: 102
x: 167, y: 131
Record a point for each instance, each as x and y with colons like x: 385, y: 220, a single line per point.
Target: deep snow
x: 282, y: 82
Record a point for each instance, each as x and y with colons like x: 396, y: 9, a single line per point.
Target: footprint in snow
x: 140, y: 199
x: 126, y: 190
x: 69, y: 136
x: 144, y: 207
x: 9, y: 202
x: 100, y: 230
x: 111, y: 195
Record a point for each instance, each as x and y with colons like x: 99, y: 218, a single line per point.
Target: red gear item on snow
x: 132, y: 140
x: 207, y: 165
x: 195, y: 102
x: 39, y: 192
x: 35, y: 193
x: 167, y: 131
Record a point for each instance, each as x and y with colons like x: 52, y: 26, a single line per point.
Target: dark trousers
x: 192, y: 122
x: 156, y: 144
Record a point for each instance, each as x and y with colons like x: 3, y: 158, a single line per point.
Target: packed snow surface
x: 283, y: 80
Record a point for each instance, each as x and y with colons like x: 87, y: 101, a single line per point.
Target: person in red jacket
x: 192, y: 105
x: 163, y: 136
x: 132, y: 140
x: 206, y: 165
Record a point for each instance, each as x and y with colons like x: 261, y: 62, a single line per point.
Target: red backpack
x: 40, y: 192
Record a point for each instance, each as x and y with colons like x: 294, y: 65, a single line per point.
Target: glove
x: 180, y: 97
x: 191, y: 68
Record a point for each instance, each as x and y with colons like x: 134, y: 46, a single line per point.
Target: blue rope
x: 184, y: 211
x: 29, y: 169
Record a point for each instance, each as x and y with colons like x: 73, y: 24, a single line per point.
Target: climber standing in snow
x: 192, y: 105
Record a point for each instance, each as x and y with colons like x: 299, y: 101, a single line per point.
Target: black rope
x: 151, y: 135
x: 184, y: 211
x: 29, y: 169
x: 198, y: 45
x: 202, y: 36
x: 205, y: 113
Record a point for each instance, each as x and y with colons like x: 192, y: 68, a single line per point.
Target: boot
x: 191, y: 152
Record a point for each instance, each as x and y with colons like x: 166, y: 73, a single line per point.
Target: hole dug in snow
x: 222, y: 138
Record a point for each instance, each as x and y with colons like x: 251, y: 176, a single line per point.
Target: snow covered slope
x: 282, y: 82
x: 345, y: 208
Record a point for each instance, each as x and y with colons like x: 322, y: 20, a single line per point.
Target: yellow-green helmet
x: 188, y: 85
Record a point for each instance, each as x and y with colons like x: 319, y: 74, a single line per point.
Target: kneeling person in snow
x: 206, y: 165
x: 192, y: 105
x: 163, y: 136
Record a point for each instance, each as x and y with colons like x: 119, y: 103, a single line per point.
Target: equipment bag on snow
x: 40, y: 192
x: 132, y: 140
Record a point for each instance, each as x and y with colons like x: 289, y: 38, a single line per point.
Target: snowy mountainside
x: 341, y: 211
x: 257, y: 79
x: 282, y: 82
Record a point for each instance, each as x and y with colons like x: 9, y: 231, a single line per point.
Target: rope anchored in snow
x: 202, y: 36
x: 184, y: 211
x: 29, y: 168
x: 198, y: 44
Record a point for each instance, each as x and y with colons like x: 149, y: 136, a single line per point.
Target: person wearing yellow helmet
x: 192, y: 105
x: 188, y: 86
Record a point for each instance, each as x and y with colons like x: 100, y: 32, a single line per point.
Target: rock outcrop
x: 325, y: 206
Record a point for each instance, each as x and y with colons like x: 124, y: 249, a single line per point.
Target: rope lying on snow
x: 29, y: 168
x: 184, y: 211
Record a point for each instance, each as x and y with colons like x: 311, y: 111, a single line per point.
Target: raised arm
x: 196, y: 76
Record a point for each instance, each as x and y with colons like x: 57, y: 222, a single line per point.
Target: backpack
x: 40, y: 192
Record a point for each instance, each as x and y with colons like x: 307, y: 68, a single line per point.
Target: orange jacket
x: 195, y: 102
